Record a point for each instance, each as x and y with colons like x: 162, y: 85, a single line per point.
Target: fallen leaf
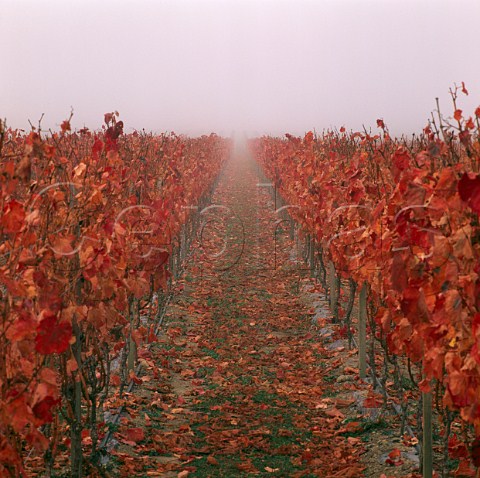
x: 334, y: 413
x: 134, y: 434
x: 344, y: 402
x: 394, y: 458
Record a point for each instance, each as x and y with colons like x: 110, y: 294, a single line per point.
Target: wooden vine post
x: 362, y: 331
x: 132, y: 346
x: 332, y: 285
x: 76, y: 452
x: 427, y: 444
x: 311, y: 254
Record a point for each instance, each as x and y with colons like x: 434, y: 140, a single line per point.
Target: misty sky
x: 260, y: 66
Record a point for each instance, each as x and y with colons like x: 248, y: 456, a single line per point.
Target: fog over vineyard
x: 260, y: 66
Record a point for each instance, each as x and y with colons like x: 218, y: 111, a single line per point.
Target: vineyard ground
x: 249, y: 377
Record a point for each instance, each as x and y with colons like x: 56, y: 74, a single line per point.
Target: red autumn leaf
x: 212, y: 460
x: 391, y: 462
x: 457, y: 115
x: 23, y: 170
x: 380, y: 123
x: 475, y: 452
x: 72, y: 365
x: 345, y: 402
x: 152, y: 337
x: 373, y: 401
x: 135, y: 434
x: 425, y: 386
x: 409, y: 440
x: 65, y: 126
x: 108, y: 117
x: 395, y: 453
x: 63, y: 246
x: 464, y: 136
x: 477, y: 112
x: 21, y: 328
x: 43, y: 409
x: 464, y: 89
x: 97, y: 147
x: 456, y: 448
x: 18, y: 413
x: 394, y: 458
x: 464, y: 470
x: 470, y: 124
x: 333, y: 412
x: 309, y: 137
x: 401, y: 161
x: 399, y: 276
x: 13, y: 217
x: 53, y: 336
x: 49, y: 150
x: 134, y: 378
x: 8, y: 168
x: 161, y: 258
x: 469, y: 190
x: 353, y: 427
x: 37, y: 440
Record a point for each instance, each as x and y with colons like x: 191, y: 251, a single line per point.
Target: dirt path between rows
x: 236, y: 385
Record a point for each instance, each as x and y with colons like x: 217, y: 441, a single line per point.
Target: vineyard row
x: 93, y: 226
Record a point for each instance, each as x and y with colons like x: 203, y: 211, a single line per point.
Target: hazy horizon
x: 259, y: 67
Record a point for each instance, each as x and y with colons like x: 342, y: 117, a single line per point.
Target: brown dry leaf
x: 344, y: 402
x: 135, y: 435
x: 335, y: 413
